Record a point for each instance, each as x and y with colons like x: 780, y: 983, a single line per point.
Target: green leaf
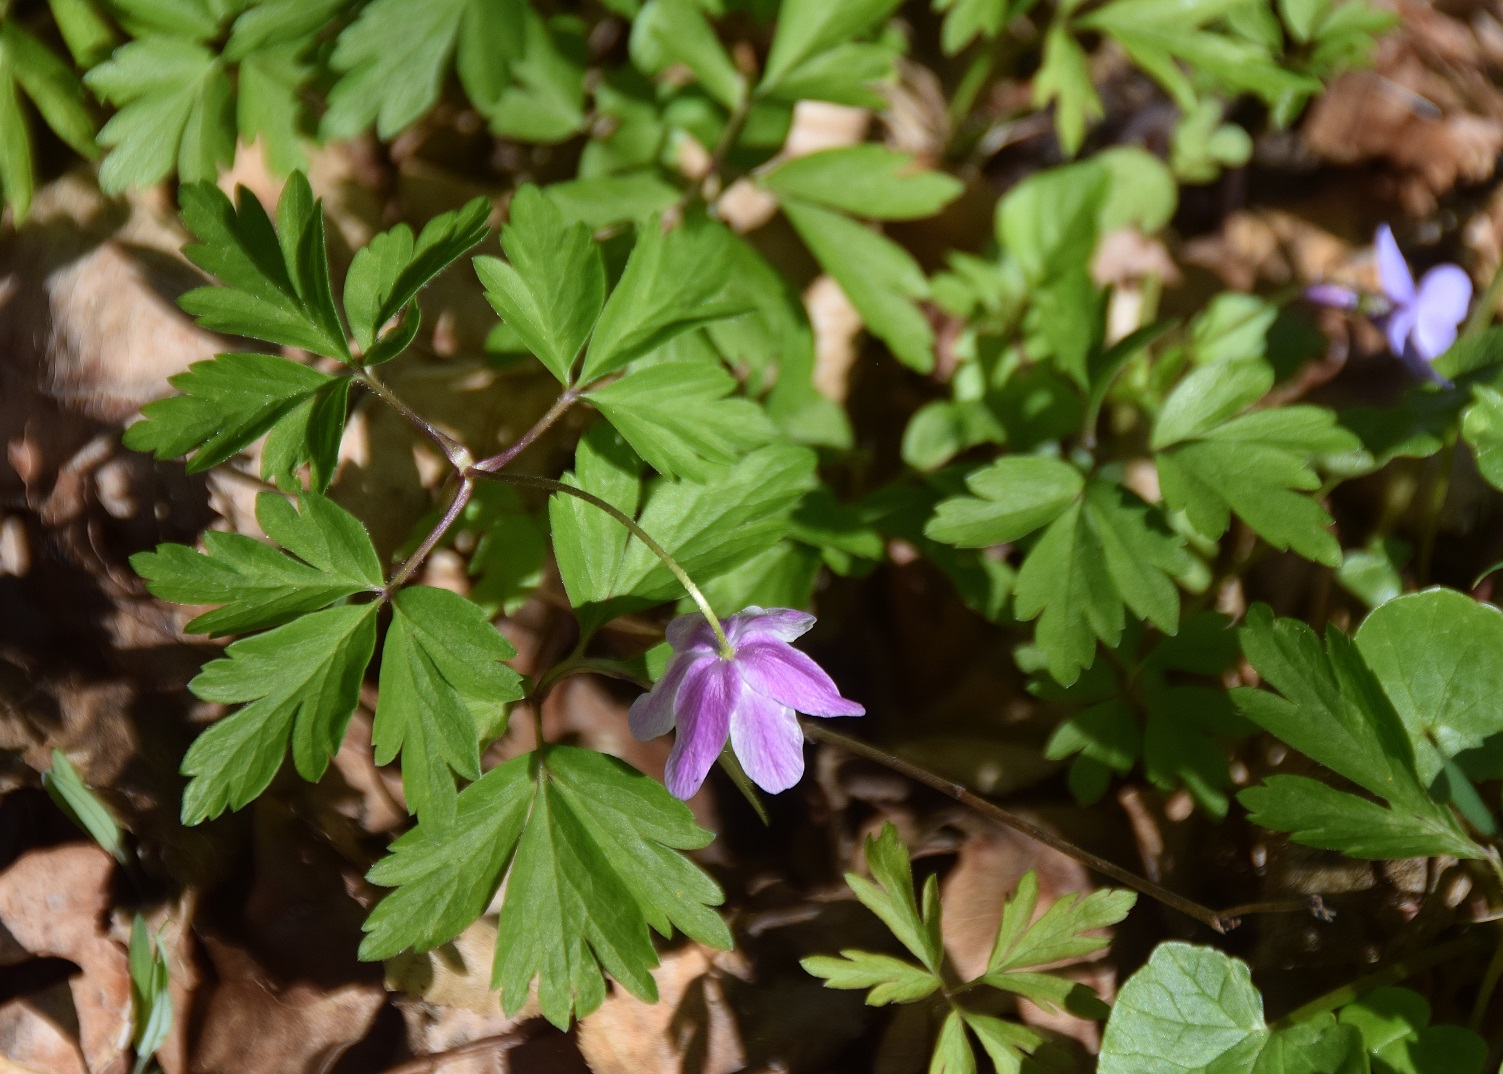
x: 610, y: 200
x: 677, y: 417
x: 1482, y: 428
x: 16, y: 179
x: 952, y: 1052
x: 588, y: 543
x: 809, y: 31
x: 891, y: 980
x: 1371, y: 574
x: 175, y: 108
x: 299, y: 682
x: 229, y: 402
x: 681, y: 33
x: 889, y: 895
x: 50, y: 84
x: 1159, y: 35
x: 77, y: 799
x: 1105, y: 551
x: 443, y: 685
x: 710, y: 528
x: 864, y: 180
x: 589, y: 849
x: 881, y: 279
x: 1064, y: 77
x: 545, y: 99
x: 151, y: 999
x: 1010, y: 499
x: 1257, y: 464
x: 387, y: 273
x: 1333, y: 708
x: 966, y: 20
x: 1394, y: 1024
x: 1049, y: 221
x: 392, y: 79
x: 269, y: 104
x: 1321, y: 816
x: 310, y: 434
x: 1004, y: 1042
x: 87, y: 33
x: 1061, y: 933
x: 554, y: 287
x: 1334, y: 711
x: 258, y: 586
x: 674, y: 281
x: 276, y: 280
x: 1437, y: 656
x: 1190, y: 1010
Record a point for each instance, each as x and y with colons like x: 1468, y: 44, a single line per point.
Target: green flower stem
x: 1489, y: 984
x: 1222, y: 923
x: 1482, y: 312
x: 502, y: 459
x: 726, y: 649
x: 586, y: 665
x: 1438, y: 493
x: 1391, y: 974
x: 456, y: 505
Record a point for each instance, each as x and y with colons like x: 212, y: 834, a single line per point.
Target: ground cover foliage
x: 394, y: 391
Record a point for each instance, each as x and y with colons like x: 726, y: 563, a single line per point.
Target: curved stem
x: 461, y: 498
x: 1221, y: 923
x: 501, y: 459
x: 726, y: 649
x: 458, y: 455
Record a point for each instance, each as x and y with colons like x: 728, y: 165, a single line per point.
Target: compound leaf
x: 255, y: 585
x: 864, y: 180
x: 227, y: 403
x: 553, y: 288
x: 589, y: 848
x: 276, y: 280
x: 443, y: 686
x: 297, y: 683
x: 678, y: 417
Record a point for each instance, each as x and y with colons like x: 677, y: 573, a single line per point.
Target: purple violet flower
x: 750, y: 694
x: 1421, y: 321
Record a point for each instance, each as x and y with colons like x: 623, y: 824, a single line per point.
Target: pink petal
x: 651, y: 714
x: 777, y: 670
x: 710, y: 691
x: 1444, y: 294
x: 754, y: 623
x: 1393, y: 270
x: 691, y: 632
x: 768, y: 742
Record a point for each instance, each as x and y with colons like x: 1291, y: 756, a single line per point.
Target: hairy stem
x: 1221, y: 923
x: 726, y: 649
x: 502, y: 459
x: 458, y: 455
x: 456, y: 505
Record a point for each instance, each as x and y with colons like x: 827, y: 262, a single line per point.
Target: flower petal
x: 768, y: 742
x: 754, y: 623
x: 690, y: 631
x: 1444, y: 294
x: 711, y: 689
x: 651, y: 714
x: 1393, y: 270
x: 1398, y: 326
x: 1333, y: 295
x: 777, y: 670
